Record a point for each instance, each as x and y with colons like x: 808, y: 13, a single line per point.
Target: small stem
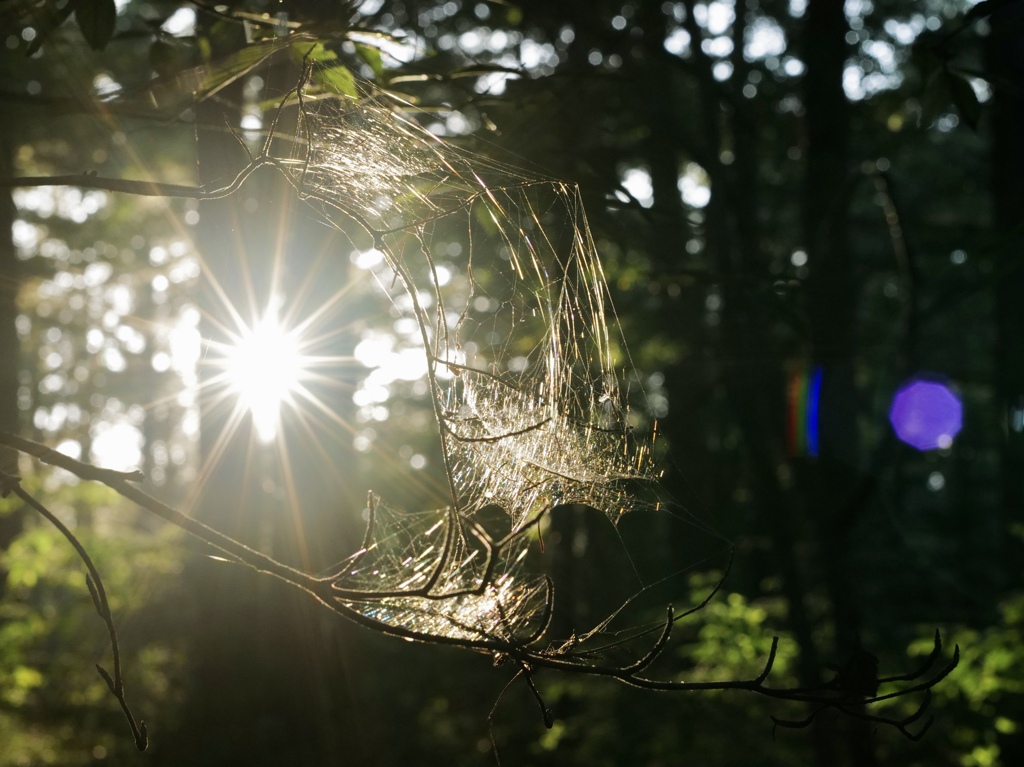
x: 92, y: 181
x: 528, y: 658
x: 140, y: 187
x: 119, y: 481
x: 99, y: 597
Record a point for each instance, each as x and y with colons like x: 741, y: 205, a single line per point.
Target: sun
x: 264, y: 368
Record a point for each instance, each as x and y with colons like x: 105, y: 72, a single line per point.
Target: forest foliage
x: 777, y: 190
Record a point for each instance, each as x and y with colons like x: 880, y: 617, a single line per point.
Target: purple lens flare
x: 926, y: 414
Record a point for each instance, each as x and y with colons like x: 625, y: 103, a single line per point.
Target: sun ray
x: 293, y: 505
x: 431, y: 486
x: 215, y: 453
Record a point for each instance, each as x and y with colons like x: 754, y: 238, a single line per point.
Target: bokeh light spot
x: 926, y: 414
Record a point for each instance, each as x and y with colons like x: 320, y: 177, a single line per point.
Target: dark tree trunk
x: 10, y: 284
x: 832, y: 295
x: 264, y: 659
x: 1006, y: 62
x: 10, y: 346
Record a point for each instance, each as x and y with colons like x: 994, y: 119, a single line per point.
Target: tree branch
x: 500, y: 645
x: 140, y: 187
x: 115, y: 683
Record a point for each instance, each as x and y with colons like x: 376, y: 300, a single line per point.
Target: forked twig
x: 115, y: 683
x: 901, y: 725
x: 435, y: 592
x: 493, y: 711
x: 526, y: 654
x: 654, y: 652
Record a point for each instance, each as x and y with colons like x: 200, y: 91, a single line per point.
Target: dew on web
x: 526, y: 368
x: 440, y: 574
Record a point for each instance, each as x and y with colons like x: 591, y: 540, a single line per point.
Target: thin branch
x: 524, y: 654
x: 925, y: 667
x: 655, y: 651
x: 494, y: 709
x: 121, y: 482
x: 115, y: 683
x: 79, y: 468
x: 140, y: 187
x: 92, y: 181
x: 545, y: 712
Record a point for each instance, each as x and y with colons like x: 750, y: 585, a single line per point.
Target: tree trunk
x: 832, y: 294
x: 10, y: 284
x: 10, y: 346
x: 1006, y: 62
x: 251, y: 634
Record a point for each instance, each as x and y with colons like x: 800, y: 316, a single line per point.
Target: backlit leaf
x: 96, y: 19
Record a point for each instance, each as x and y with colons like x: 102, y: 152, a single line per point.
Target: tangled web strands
x: 522, y: 364
x: 438, y: 574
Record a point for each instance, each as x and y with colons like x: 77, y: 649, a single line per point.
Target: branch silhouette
x: 526, y: 654
x: 569, y: 434
x: 11, y: 485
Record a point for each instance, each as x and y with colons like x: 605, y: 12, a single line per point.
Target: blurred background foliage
x: 777, y: 187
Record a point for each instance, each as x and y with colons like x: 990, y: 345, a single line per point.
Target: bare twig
x: 494, y: 709
x: 141, y: 187
x: 433, y: 592
x: 524, y: 654
x: 115, y: 683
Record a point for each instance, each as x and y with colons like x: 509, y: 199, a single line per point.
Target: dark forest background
x: 775, y: 186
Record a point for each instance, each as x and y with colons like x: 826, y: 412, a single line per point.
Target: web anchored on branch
x: 459, y: 586
x: 533, y: 392
x: 525, y: 370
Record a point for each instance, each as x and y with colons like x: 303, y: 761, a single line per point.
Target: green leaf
x: 965, y: 99
x: 372, y: 56
x: 49, y: 18
x: 305, y: 51
x: 936, y: 97
x: 337, y: 79
x: 985, y: 9
x: 168, y: 58
x: 224, y: 72
x: 96, y: 19
x: 1009, y: 27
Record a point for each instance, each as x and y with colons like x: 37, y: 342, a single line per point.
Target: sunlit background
x: 265, y: 372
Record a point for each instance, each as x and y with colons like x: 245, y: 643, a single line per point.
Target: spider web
x: 530, y: 380
x: 451, y: 582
